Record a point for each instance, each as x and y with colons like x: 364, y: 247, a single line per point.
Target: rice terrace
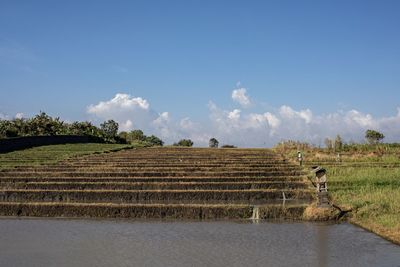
x: 200, y: 133
x: 209, y: 184
x: 194, y: 183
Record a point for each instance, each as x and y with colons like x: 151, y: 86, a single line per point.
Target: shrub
x: 228, y: 146
x: 153, y: 141
x: 184, y: 142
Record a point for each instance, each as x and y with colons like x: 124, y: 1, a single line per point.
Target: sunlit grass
x: 374, y: 195
x: 367, y: 182
x: 53, y: 153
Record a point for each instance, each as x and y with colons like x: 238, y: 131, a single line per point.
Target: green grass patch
x: 370, y: 189
x: 374, y: 195
x: 54, y: 153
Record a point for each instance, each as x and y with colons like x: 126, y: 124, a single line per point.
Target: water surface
x: 56, y: 242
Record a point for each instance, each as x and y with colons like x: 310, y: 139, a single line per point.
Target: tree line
x: 373, y: 140
x: 43, y: 124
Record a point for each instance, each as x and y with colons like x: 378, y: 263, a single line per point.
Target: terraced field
x: 197, y: 183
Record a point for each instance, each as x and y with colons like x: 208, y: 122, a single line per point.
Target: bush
x: 153, y: 141
x: 184, y: 142
x: 137, y: 138
x: 228, y: 146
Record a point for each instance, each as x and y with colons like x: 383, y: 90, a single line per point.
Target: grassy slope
x: 370, y: 188
x: 53, y: 153
x: 374, y: 194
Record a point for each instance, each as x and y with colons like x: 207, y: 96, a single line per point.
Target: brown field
x: 191, y: 183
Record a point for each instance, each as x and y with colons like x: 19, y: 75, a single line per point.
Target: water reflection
x: 322, y: 246
x: 41, y: 242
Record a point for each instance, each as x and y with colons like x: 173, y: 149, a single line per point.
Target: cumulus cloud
x: 245, y: 128
x: 266, y: 129
x: 130, y: 112
x: 120, y: 103
x: 126, y: 126
x: 289, y: 113
x: 234, y: 114
x: 239, y: 96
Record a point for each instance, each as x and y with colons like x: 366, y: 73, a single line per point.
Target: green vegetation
x: 373, y: 137
x: 228, y: 146
x: 110, y: 129
x: 363, y: 177
x: 43, y: 124
x: 54, y: 153
x: 184, y: 142
x: 213, y: 143
x: 373, y: 193
x: 139, y: 139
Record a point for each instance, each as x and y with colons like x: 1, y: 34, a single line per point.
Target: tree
x: 184, y: 142
x: 338, y: 143
x: 43, y: 124
x: 7, y: 129
x: 373, y: 137
x: 213, y: 143
x: 84, y: 128
x: 110, y: 128
x: 136, y: 135
x: 123, y: 135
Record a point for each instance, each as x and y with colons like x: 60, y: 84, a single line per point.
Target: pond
x: 68, y: 242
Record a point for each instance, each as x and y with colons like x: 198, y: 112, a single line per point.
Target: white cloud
x: 128, y: 111
x: 162, y: 125
x: 266, y: 129
x: 126, y: 126
x: 19, y: 115
x: 245, y: 129
x: 289, y: 113
x: 187, y: 124
x: 239, y: 95
x: 234, y: 114
x: 273, y: 121
x: 121, y: 102
x: 364, y: 120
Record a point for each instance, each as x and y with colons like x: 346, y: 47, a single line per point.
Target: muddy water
x: 52, y: 242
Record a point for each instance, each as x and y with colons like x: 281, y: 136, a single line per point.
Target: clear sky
x: 310, y: 60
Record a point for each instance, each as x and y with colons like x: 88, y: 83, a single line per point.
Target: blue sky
x: 329, y: 57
